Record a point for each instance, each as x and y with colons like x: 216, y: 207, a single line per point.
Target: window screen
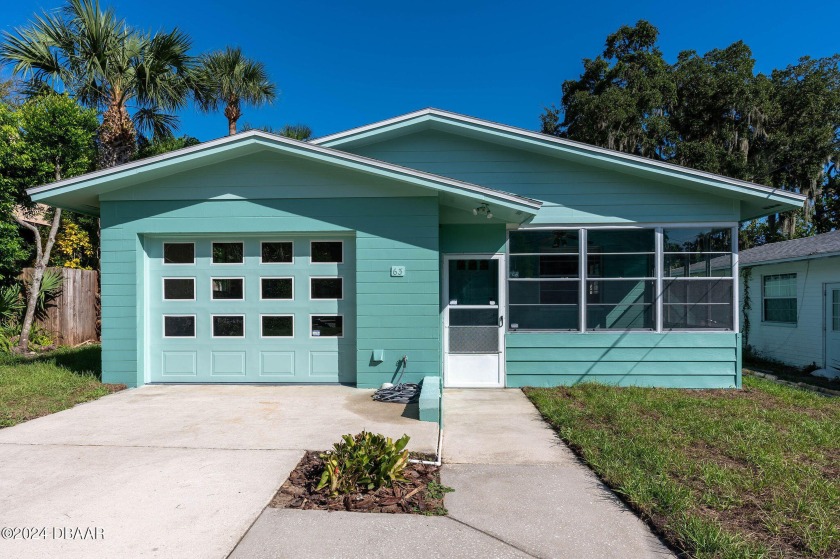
x: 544, y: 280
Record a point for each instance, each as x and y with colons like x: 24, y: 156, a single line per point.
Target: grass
x: 787, y: 372
x: 34, y: 386
x: 718, y: 473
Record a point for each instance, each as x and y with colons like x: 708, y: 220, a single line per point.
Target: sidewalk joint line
x: 497, y: 538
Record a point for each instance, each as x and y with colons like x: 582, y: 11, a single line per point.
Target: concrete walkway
x: 516, y: 481
x: 172, y: 471
x: 519, y: 492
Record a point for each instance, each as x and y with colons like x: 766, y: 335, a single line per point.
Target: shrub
x: 366, y: 461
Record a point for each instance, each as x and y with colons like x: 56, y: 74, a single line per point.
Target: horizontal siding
x: 397, y: 315
x: 803, y: 343
x: 572, y: 193
x: 266, y: 175
x: 678, y: 359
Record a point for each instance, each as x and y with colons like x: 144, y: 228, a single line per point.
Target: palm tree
x: 228, y: 78
x: 107, y: 65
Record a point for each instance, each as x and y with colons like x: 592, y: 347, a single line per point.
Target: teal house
x: 486, y: 254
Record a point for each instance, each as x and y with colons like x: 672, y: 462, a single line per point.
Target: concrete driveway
x: 171, y: 471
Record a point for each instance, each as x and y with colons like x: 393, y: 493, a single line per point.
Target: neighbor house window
x: 544, y: 280
x: 697, y: 289
x: 620, y: 279
x: 779, y: 295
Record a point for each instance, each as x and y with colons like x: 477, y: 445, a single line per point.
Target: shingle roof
x: 816, y: 246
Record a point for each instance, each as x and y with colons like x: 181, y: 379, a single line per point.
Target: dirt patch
x: 422, y: 493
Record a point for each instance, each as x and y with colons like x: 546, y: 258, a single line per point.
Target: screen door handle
x: 501, y: 321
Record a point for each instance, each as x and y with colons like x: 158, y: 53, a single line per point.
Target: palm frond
x: 152, y: 120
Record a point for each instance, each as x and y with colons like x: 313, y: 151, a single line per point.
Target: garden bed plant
x: 364, y: 473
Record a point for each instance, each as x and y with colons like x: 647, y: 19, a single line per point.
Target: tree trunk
x: 42, y: 259
x: 232, y: 112
x: 117, y: 137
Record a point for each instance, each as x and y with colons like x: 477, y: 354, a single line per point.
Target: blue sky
x: 345, y: 64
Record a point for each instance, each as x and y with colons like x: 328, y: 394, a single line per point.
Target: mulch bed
x: 411, y: 497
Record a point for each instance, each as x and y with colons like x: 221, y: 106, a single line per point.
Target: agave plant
x: 11, y: 304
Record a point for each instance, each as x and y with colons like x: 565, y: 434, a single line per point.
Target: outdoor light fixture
x: 483, y: 209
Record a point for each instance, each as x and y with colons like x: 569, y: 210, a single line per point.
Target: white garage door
x: 260, y: 309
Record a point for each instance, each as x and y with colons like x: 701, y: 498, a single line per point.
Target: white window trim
x: 278, y: 263
x: 214, y: 278
x: 163, y: 326
x: 343, y: 326
x: 213, y: 330
x: 163, y: 253
x: 339, y: 278
x: 292, y: 298
x: 312, y: 262
x: 228, y: 263
x: 163, y: 287
x: 277, y: 337
x: 795, y: 300
x: 659, y: 271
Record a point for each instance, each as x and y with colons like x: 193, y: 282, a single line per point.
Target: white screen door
x: 473, y: 321
x: 832, y: 327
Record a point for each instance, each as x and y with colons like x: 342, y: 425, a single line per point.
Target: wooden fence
x: 73, y: 316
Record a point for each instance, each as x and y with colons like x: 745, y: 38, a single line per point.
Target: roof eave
x: 567, y: 147
x: 50, y: 191
x: 791, y: 259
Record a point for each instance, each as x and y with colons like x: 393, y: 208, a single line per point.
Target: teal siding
x: 472, y: 238
x: 398, y: 315
x: 673, y: 359
x: 573, y: 193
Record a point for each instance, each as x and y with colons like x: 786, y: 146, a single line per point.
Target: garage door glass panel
x: 327, y: 252
x: 277, y: 288
x: 277, y: 253
x: 278, y: 326
x: 228, y: 253
x: 179, y: 288
x: 327, y: 326
x: 179, y: 326
x: 326, y: 288
x: 229, y: 326
x: 178, y: 253
x: 228, y: 288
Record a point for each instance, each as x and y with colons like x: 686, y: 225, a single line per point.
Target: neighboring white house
x: 794, y: 291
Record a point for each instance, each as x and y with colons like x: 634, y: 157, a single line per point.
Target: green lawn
x: 718, y: 473
x: 34, y: 386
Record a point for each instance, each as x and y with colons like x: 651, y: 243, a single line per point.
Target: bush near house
x: 34, y: 386
x: 718, y: 473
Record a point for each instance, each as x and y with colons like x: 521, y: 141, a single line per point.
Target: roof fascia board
x: 293, y: 147
x: 786, y: 260
x: 578, y: 150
